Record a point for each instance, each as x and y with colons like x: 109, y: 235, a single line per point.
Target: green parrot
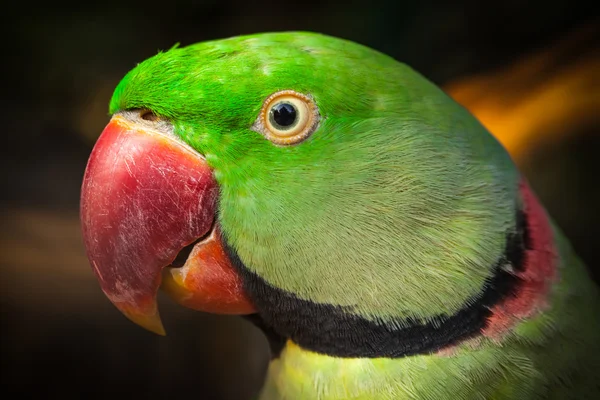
x: 380, y: 236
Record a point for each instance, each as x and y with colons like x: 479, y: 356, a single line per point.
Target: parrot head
x: 310, y: 180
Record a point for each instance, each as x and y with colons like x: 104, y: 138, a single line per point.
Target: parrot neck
x: 536, y: 270
x: 517, y: 290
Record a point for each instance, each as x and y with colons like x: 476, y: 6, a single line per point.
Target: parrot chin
x: 146, y: 195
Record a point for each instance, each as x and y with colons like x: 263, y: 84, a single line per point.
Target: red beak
x: 145, y: 196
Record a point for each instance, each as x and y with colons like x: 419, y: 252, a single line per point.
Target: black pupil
x: 284, y: 114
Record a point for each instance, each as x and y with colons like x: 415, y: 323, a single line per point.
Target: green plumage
x: 397, y: 206
x: 552, y: 356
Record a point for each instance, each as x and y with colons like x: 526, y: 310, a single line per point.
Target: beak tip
x: 151, y: 322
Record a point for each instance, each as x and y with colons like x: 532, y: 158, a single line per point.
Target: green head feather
x: 398, y: 204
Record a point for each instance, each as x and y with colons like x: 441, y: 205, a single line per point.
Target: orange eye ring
x: 287, y: 117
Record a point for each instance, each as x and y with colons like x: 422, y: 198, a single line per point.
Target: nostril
x: 148, y: 115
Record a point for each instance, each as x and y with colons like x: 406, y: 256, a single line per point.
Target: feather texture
x: 397, y: 208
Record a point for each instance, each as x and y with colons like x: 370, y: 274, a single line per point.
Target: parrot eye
x: 287, y: 117
x: 283, y: 115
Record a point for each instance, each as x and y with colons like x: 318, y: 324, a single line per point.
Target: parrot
x: 384, y: 241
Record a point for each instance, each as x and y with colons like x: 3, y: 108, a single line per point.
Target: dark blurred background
x: 528, y: 70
